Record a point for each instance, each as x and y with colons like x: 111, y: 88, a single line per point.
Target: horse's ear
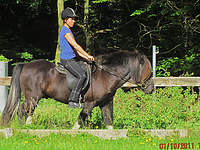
x: 141, y: 59
x: 140, y: 56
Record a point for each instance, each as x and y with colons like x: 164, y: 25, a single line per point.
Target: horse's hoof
x: 76, y: 105
x: 110, y: 127
x: 76, y: 126
x: 29, y: 120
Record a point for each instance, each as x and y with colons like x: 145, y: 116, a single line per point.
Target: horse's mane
x: 120, y: 57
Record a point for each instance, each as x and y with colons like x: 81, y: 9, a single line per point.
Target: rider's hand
x: 90, y: 57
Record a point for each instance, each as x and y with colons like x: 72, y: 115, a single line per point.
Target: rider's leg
x: 74, y: 68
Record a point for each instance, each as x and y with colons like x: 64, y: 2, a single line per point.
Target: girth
x: 71, y: 79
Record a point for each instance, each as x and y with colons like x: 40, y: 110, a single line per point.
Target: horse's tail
x: 14, y: 96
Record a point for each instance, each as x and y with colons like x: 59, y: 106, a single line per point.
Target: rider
x: 68, y: 56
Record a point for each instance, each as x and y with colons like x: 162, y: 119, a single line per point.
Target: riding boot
x: 75, y: 100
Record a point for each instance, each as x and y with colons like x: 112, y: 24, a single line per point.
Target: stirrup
x: 75, y: 105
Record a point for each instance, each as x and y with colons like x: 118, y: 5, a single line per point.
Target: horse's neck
x: 117, y: 75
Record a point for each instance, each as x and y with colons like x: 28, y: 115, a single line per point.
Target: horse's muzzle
x: 148, y: 86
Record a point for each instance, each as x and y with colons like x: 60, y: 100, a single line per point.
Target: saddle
x: 71, y: 79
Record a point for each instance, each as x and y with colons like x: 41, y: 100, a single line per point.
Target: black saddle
x: 71, y: 79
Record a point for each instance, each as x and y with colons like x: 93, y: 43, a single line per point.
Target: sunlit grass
x: 134, y: 110
x: 169, y: 108
x: 84, y: 141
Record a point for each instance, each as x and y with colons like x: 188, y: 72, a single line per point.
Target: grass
x: 84, y: 141
x: 169, y: 108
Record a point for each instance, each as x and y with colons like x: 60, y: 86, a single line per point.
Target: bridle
x: 142, y: 85
x: 108, y: 70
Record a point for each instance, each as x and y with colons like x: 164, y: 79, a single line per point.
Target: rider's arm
x: 79, y: 49
x: 80, y: 54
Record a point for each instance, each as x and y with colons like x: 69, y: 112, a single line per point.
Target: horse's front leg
x: 107, y: 113
x: 84, y: 114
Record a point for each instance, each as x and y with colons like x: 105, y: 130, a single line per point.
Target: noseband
x: 142, y: 85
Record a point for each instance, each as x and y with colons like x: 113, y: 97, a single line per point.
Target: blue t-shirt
x: 67, y: 51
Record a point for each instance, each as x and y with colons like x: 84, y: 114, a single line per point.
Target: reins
x: 108, y: 70
x: 143, y: 85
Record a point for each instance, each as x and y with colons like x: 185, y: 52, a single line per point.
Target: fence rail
x: 5, y: 80
x: 172, y: 81
x: 158, y: 81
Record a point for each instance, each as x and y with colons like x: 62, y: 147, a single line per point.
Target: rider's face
x: 70, y: 22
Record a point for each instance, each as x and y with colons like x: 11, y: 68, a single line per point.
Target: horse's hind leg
x: 26, y: 110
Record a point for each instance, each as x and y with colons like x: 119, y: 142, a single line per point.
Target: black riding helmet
x: 68, y: 13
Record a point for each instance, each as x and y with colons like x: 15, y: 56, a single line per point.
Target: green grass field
x: 169, y: 108
x: 83, y: 141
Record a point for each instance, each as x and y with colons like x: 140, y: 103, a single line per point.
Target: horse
x: 39, y: 78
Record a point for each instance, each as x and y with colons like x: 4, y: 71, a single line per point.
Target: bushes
x: 169, y: 108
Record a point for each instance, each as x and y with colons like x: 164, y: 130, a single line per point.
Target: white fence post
x: 3, y: 89
x: 154, y: 52
x: 154, y: 60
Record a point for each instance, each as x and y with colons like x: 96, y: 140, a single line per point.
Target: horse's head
x: 129, y: 65
x: 147, y: 87
x: 140, y: 68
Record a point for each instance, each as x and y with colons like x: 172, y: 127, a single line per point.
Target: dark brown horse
x: 39, y: 79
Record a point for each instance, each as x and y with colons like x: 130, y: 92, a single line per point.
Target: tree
x: 86, y: 28
x: 106, y: 26
x: 27, y: 27
x: 60, y: 7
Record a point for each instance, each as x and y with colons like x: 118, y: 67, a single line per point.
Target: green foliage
x: 114, y: 25
x: 3, y: 58
x: 141, y: 11
x: 100, y: 1
x: 168, y: 67
x: 169, y: 108
x: 52, y: 114
x: 26, y: 56
x: 27, y: 31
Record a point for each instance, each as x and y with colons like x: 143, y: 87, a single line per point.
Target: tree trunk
x: 60, y: 6
x: 87, y: 33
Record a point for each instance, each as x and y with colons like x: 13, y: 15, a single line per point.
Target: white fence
x: 3, y: 89
x: 158, y: 81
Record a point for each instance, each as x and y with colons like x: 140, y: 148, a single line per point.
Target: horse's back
x: 35, y: 76
x: 40, y: 64
x: 37, y: 68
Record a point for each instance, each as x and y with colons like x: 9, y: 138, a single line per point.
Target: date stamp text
x: 178, y: 145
